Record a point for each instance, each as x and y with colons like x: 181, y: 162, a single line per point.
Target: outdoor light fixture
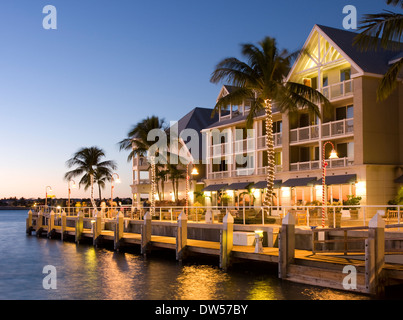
x: 333, y: 155
x: 73, y: 186
x: 194, y: 171
x: 117, y: 180
x: 48, y: 188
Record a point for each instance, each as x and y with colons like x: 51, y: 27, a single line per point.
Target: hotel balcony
x: 241, y: 172
x: 316, y: 164
x: 140, y: 163
x: 330, y: 129
x: 243, y: 146
x: 338, y: 90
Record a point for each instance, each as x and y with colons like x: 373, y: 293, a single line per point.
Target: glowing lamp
x: 333, y: 155
x: 194, y: 172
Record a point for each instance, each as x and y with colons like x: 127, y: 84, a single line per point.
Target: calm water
x: 84, y: 272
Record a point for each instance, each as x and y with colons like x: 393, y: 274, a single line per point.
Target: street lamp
x: 112, y: 186
x: 73, y: 186
x: 333, y: 155
x: 46, y: 196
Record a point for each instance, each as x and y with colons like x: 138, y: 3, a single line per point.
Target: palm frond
x: 389, y: 81
x: 380, y: 30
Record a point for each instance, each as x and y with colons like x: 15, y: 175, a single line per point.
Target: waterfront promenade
x: 315, y: 256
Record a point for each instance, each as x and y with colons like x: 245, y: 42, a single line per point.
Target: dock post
x: 79, y: 226
x: 146, y: 233
x: 39, y: 224
x: 29, y: 222
x: 286, y: 245
x: 227, y: 241
x: 51, y: 226
x: 97, y: 228
x: 181, y: 236
x: 118, y: 230
x: 375, y: 256
x: 64, y: 224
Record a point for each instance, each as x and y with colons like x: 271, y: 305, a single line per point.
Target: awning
x: 215, y: 187
x: 299, y: 182
x: 340, y: 179
x: 263, y: 184
x: 238, y: 186
x: 399, y: 180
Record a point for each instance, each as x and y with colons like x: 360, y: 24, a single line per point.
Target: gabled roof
x: 337, y: 44
x: 376, y: 62
x: 197, y: 119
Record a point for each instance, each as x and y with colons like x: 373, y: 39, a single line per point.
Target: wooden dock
x: 364, y: 272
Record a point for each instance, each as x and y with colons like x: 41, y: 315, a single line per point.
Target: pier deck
x: 304, y: 266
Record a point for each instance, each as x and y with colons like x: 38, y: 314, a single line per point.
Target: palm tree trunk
x: 94, y: 205
x: 99, y: 192
x: 270, y: 153
x: 152, y: 209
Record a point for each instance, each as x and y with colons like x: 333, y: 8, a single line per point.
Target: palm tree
x: 138, y: 144
x: 383, y: 31
x: 89, y: 165
x: 261, y: 80
x: 175, y: 175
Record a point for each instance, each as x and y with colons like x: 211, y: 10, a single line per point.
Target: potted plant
x: 334, y: 209
x: 353, y: 201
x: 314, y: 212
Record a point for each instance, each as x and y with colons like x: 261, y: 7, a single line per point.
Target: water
x: 88, y: 273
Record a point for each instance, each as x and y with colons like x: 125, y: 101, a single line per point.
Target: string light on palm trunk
x: 270, y: 152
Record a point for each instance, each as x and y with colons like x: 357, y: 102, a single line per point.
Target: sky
x: 111, y: 63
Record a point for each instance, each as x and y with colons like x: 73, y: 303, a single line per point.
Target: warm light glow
x: 230, y: 193
x: 361, y: 189
x: 333, y: 155
x: 286, y: 192
x: 194, y: 172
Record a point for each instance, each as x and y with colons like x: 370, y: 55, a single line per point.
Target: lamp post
x: 112, y: 186
x: 46, y: 195
x: 194, y: 172
x: 73, y: 186
x: 333, y: 155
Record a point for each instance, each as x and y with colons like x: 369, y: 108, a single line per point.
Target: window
x: 325, y: 81
x: 345, y: 74
x: 277, y: 126
x: 346, y: 112
x: 342, y: 150
x: 303, y: 120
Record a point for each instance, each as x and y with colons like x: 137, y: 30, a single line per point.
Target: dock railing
x: 336, y: 216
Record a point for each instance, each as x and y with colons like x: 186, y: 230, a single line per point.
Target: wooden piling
x: 39, y: 224
x: 51, y: 227
x: 181, y: 236
x: 119, y: 228
x: 29, y: 227
x: 64, y: 225
x: 97, y: 229
x: 286, y: 246
x: 375, y: 256
x: 227, y: 241
x: 146, y: 233
x: 79, y: 226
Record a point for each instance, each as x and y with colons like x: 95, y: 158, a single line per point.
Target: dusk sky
x: 110, y: 64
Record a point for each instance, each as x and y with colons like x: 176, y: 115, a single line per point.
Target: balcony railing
x: 338, y: 90
x: 277, y: 140
x: 338, y: 128
x: 242, y: 172
x: 316, y: 164
x: 304, y: 134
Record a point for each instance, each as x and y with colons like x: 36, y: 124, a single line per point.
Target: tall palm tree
x: 384, y: 31
x: 261, y: 80
x: 89, y: 164
x: 138, y: 144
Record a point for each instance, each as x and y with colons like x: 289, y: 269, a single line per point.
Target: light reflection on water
x: 86, y: 272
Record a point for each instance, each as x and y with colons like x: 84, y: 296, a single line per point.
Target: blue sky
x: 111, y: 63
